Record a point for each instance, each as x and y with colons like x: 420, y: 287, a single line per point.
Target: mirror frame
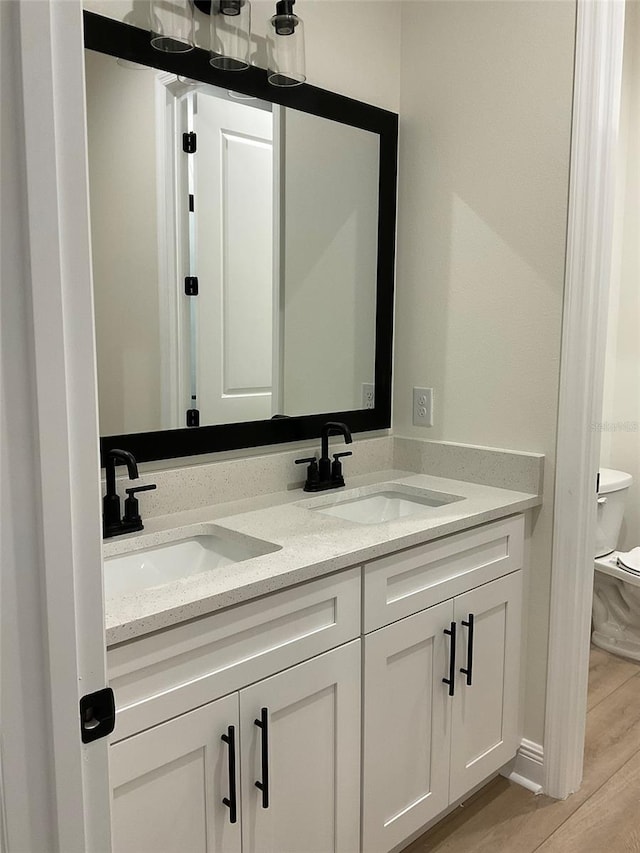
x: 118, y: 39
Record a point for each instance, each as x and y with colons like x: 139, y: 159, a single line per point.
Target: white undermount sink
x: 161, y: 564
x: 386, y: 505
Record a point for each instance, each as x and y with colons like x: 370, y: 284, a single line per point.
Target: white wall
x: 484, y: 160
x: 330, y: 241
x: 621, y: 409
x: 24, y: 700
x: 121, y: 129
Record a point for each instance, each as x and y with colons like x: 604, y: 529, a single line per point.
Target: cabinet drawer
x: 170, y: 672
x: 412, y: 580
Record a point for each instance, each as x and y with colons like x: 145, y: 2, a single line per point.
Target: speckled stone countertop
x: 310, y: 544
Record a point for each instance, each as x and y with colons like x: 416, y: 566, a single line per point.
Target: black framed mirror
x: 252, y: 333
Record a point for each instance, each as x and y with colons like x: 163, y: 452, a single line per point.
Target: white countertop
x: 311, y: 544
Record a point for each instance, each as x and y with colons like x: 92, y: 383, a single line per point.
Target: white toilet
x: 616, y: 590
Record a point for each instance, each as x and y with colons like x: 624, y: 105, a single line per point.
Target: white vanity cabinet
x: 170, y: 780
x: 428, y: 742
x: 267, y: 700
x: 180, y: 787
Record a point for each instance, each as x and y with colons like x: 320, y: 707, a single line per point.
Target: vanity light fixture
x: 231, y: 7
x: 172, y: 25
x: 230, y: 32
x: 286, y: 47
x: 172, y: 31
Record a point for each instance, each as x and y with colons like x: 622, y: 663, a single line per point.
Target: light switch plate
x: 423, y: 407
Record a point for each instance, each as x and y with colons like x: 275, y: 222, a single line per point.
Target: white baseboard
x: 527, y: 768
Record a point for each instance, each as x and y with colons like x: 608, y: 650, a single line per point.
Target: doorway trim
x: 68, y: 528
x: 596, y: 111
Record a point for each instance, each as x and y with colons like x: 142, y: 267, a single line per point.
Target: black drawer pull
x: 232, y: 800
x: 469, y: 669
x: 452, y: 659
x: 263, y: 724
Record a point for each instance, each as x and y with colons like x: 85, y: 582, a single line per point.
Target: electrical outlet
x: 423, y: 407
x: 368, y: 395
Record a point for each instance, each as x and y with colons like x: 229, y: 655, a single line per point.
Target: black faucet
x: 325, y: 474
x: 112, y: 523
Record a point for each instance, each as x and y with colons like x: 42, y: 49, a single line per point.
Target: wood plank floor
x: 603, y: 817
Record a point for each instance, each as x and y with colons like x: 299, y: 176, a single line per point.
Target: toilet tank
x: 612, y: 496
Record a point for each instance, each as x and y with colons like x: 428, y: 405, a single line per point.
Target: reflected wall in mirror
x: 275, y: 214
x: 279, y: 215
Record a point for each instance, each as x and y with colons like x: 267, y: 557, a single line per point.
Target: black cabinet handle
x: 232, y: 800
x: 263, y: 725
x: 452, y: 659
x: 469, y: 670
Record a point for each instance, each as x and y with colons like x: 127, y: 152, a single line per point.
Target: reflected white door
x: 233, y: 209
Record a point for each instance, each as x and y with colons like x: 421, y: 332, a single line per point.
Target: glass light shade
x: 286, y: 51
x: 172, y: 25
x: 230, y: 34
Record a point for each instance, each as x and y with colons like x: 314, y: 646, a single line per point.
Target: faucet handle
x: 306, y: 459
x: 148, y: 488
x: 336, y: 467
x: 131, y: 510
x: 313, y: 475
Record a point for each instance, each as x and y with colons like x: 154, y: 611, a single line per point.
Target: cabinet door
x: 309, y: 752
x: 406, y: 726
x: 485, y: 725
x: 169, y: 782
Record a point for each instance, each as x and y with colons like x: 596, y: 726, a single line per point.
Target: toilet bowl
x: 616, y: 608
x: 616, y: 590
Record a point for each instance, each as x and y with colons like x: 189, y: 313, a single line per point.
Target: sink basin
x: 387, y: 505
x: 162, y: 564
